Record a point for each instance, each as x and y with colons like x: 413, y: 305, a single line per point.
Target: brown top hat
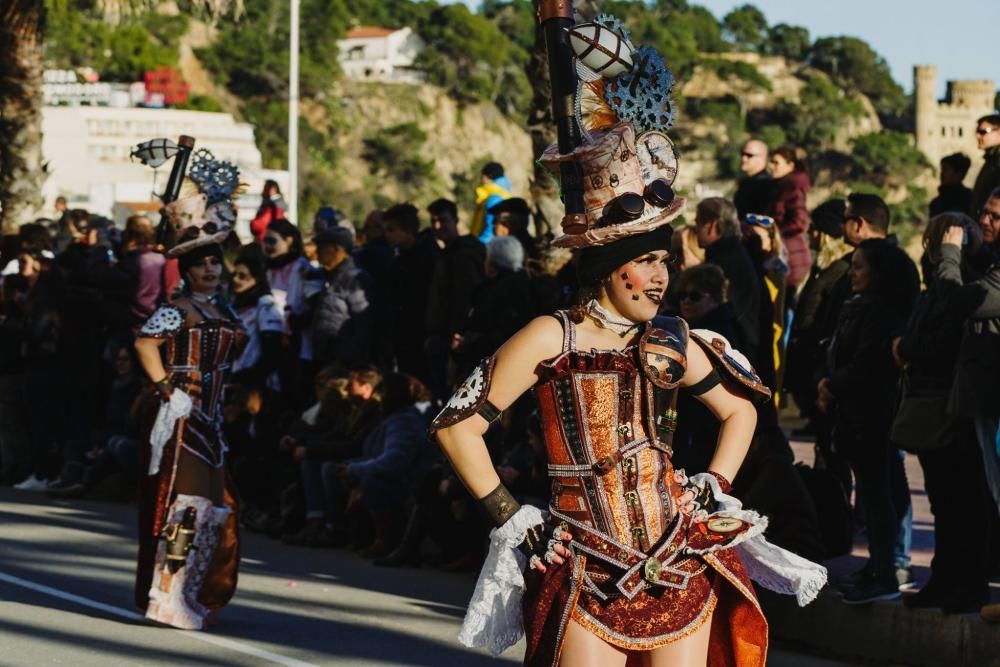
x: 618, y: 202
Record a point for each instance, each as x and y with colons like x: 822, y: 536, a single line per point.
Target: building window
x: 961, y: 132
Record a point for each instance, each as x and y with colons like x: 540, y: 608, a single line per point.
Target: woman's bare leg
x: 585, y: 649
x: 692, y: 651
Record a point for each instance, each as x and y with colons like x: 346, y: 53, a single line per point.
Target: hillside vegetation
x: 364, y: 145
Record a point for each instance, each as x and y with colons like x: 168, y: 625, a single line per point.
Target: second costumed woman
x: 632, y: 561
x: 188, y: 539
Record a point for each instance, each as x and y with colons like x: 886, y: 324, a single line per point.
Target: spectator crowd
x: 358, y: 334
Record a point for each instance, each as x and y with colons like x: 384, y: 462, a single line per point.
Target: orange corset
x: 605, y: 474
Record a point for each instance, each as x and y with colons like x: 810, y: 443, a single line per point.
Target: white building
x: 87, y: 149
x: 380, y: 54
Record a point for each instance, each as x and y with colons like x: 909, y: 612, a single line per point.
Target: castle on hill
x: 948, y: 126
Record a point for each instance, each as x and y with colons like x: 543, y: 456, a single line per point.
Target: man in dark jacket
x: 755, y: 190
x: 342, y: 318
x: 952, y: 195
x: 988, y: 140
x: 458, y: 273
x: 976, y: 389
x: 866, y: 217
x: 719, y: 233
x: 375, y: 257
x: 417, y: 253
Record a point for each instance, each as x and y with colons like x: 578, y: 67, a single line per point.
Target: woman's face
x: 242, y: 279
x: 205, y: 275
x: 780, y: 167
x: 861, y: 272
x: 636, y: 288
x: 695, y: 303
x: 276, y: 245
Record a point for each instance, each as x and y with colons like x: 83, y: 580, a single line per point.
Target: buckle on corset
x: 605, y: 465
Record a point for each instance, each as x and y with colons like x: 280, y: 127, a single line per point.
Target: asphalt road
x: 66, y: 573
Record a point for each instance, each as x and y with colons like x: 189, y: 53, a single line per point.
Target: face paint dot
x: 624, y: 276
x: 628, y: 286
x: 635, y: 297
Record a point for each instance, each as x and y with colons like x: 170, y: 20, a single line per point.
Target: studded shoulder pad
x: 663, y: 352
x: 164, y: 323
x: 731, y: 364
x: 469, y: 398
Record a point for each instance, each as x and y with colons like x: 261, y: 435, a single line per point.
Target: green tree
x: 472, y: 59
x: 853, y: 64
x: 515, y: 19
x: 746, y: 28
x: 395, y: 152
x: 118, y: 52
x: 790, y: 41
x: 813, y: 122
x: 886, y: 158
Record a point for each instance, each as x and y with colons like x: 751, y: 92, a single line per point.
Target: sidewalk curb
x: 883, y: 632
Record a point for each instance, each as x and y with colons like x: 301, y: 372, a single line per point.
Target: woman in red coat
x: 790, y: 213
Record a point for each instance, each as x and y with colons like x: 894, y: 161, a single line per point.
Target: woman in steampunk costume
x: 633, y: 561
x: 188, y: 541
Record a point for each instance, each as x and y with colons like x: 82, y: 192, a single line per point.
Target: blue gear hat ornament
x: 642, y: 95
x: 217, y: 179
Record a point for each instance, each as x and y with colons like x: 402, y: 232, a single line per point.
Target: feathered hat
x: 628, y: 162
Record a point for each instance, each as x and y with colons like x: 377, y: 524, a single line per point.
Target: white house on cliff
x: 380, y: 54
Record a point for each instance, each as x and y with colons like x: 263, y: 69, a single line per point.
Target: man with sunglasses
x: 988, y: 140
x: 754, y: 191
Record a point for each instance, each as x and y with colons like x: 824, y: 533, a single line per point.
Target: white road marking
x: 133, y: 616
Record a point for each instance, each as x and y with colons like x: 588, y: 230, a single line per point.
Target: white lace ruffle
x: 494, y: 620
x: 772, y: 567
x: 178, y: 407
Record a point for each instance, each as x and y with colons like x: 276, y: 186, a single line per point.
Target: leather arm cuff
x: 500, y: 505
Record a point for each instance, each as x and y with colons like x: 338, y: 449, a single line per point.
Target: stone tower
x: 948, y: 126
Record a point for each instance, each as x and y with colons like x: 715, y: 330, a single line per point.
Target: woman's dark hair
x: 287, y: 230
x: 400, y: 390
x: 791, y: 155
x: 191, y: 257
x: 893, y: 275
x: 707, y: 278
x: 268, y: 184
x: 252, y: 258
x: 35, y: 235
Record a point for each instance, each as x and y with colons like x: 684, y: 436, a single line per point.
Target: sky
x: 961, y: 37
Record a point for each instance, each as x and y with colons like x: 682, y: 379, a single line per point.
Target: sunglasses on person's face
x: 747, y: 155
x: 983, y: 131
x: 693, y: 297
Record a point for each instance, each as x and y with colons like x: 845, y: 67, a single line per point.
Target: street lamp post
x: 293, y: 117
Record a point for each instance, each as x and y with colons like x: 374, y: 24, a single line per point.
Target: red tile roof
x: 362, y: 32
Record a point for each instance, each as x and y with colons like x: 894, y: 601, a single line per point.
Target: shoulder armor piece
x: 469, y: 399
x: 663, y: 352
x: 165, y: 322
x: 731, y: 364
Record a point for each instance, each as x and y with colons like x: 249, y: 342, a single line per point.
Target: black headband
x: 598, y: 262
